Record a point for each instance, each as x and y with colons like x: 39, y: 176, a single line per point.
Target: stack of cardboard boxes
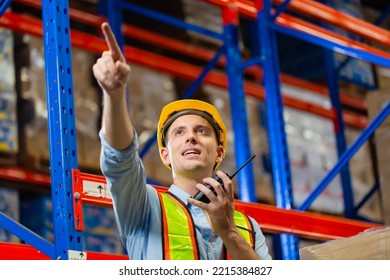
x: 9, y: 145
x: 8, y: 101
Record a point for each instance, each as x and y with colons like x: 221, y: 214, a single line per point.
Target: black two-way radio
x: 202, y: 197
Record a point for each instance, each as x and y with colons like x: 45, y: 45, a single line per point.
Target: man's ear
x: 164, y: 152
x: 220, y: 154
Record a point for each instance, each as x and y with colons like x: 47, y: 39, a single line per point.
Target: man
x: 192, y: 144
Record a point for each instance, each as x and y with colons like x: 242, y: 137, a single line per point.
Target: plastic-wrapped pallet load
x: 86, y: 103
x: 8, y: 115
x: 372, y: 244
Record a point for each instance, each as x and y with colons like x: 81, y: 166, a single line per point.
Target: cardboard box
x: 372, y: 244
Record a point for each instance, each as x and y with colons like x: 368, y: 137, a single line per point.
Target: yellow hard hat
x: 183, y: 107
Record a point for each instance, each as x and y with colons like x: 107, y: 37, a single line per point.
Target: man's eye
x: 203, y: 130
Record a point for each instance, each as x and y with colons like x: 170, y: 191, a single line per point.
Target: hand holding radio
x: 202, y: 197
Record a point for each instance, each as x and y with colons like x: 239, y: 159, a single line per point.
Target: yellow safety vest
x: 178, y: 229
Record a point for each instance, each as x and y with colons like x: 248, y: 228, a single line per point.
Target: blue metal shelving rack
x: 62, y: 131
x: 275, y: 125
x: 62, y: 134
x: 280, y: 166
x: 61, y: 123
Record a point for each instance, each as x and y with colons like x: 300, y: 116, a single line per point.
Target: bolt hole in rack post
x: 272, y: 219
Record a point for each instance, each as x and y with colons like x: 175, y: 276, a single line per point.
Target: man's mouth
x: 191, y: 152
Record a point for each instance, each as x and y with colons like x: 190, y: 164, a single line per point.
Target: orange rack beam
x: 339, y: 19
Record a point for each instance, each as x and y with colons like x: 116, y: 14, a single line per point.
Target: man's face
x: 191, y: 145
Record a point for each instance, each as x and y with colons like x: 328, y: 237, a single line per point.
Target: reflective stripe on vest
x: 179, y: 238
x: 178, y: 230
x: 245, y: 227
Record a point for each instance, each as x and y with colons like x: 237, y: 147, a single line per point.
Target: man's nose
x: 191, y: 138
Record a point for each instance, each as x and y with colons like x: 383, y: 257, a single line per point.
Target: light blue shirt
x: 138, y: 214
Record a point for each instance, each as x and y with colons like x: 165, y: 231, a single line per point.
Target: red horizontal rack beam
x: 298, y: 24
x: 248, y: 8
x: 308, y: 225
x: 271, y: 219
x: 196, y: 52
x: 24, y: 175
x: 339, y: 19
x: 14, y: 251
x: 322, y: 12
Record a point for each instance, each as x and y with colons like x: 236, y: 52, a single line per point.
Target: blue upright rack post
x: 246, y: 183
x: 332, y: 75
x: 16, y: 228
x: 345, y: 176
x: 275, y: 122
x: 61, y: 123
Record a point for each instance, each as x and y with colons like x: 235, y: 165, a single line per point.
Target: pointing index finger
x: 112, y: 42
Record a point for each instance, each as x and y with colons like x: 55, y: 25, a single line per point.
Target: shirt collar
x: 178, y: 192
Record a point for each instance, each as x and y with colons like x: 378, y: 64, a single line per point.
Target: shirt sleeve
x: 261, y: 247
x: 126, y: 179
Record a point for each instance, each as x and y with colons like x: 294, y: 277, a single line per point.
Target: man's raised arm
x: 112, y: 73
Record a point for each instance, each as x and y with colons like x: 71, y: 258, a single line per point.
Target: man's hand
x: 220, y: 213
x: 220, y: 210
x: 111, y: 70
